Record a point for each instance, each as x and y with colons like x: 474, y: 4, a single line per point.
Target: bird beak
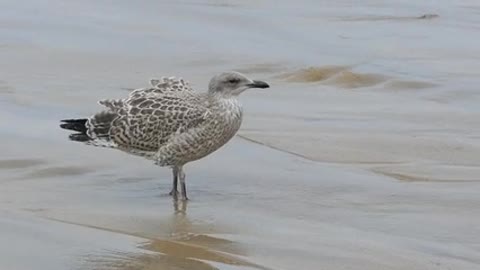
x: 258, y: 84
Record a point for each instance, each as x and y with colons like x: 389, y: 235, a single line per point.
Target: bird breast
x: 231, y: 110
x: 221, y: 123
x: 227, y: 119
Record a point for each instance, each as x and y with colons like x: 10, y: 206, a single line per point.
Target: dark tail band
x: 75, y: 124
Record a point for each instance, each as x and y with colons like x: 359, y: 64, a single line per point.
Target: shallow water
x: 364, y: 154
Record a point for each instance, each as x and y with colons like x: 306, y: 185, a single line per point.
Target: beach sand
x: 363, y: 154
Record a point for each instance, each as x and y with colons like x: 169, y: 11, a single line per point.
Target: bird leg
x: 174, y: 191
x: 181, y: 175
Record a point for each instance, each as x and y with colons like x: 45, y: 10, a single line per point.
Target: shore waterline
x: 363, y: 154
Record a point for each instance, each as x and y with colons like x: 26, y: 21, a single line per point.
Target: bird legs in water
x: 178, y: 174
x: 174, y: 191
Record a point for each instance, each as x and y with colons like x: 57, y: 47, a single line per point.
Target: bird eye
x: 233, y: 80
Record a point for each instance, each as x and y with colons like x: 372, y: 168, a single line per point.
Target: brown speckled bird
x: 168, y: 122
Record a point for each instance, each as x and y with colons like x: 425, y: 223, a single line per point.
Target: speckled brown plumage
x: 169, y: 122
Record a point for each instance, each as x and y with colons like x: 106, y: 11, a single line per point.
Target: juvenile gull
x: 169, y: 122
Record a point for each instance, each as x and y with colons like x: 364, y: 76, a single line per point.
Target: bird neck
x: 221, y: 95
x: 228, y: 104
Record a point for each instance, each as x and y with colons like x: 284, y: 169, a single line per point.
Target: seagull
x: 168, y: 122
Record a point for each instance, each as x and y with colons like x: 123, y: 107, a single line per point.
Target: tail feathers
x: 101, y: 123
x: 95, y: 128
x: 75, y: 124
x: 79, y: 137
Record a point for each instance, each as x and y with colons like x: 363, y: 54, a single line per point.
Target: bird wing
x: 162, y: 86
x: 171, y: 84
x: 147, y: 119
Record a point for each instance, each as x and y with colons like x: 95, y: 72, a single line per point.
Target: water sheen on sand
x: 364, y: 154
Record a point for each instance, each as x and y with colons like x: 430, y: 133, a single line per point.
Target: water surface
x: 364, y: 153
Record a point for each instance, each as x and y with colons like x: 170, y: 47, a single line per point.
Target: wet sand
x: 364, y: 154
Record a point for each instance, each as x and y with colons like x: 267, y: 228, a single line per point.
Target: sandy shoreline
x: 325, y: 207
x: 364, y: 154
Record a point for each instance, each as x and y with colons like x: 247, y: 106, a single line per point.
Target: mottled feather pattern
x: 152, y: 119
x: 98, y: 126
x: 201, y: 140
x: 171, y: 84
x: 167, y: 122
x: 112, y: 104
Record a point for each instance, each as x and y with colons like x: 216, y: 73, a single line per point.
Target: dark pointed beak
x: 258, y: 84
